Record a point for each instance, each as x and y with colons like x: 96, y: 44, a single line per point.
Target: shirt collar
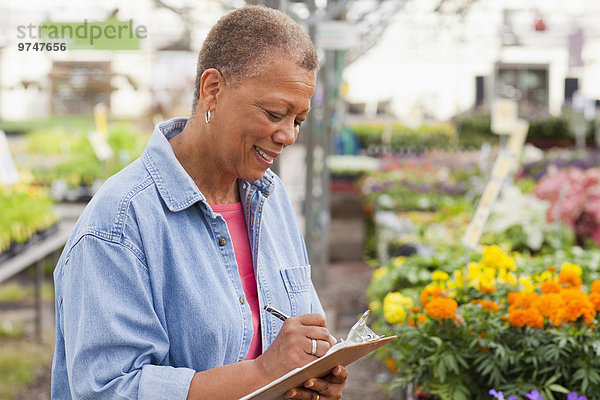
x: 175, y: 186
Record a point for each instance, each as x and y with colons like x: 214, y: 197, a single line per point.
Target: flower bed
x: 490, y: 325
x: 574, y: 196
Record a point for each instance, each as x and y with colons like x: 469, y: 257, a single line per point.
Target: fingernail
x: 338, y: 370
x: 332, y: 338
x: 310, y: 384
x: 292, y: 393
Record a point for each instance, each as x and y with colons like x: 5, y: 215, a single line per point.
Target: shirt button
x: 242, y: 301
x: 222, y: 242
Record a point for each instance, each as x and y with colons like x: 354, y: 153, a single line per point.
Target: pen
x: 276, y: 312
x: 283, y: 317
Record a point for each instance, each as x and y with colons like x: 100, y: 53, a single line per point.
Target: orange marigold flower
x: 521, y: 301
x: 579, y: 307
x: 569, y: 279
x: 595, y: 287
x: 417, y: 320
x: 550, y: 287
x: 415, y: 309
x: 486, y: 304
x: 595, y: 300
x: 441, y: 307
x: 429, y: 293
x: 527, y: 317
x: 391, y: 365
x: 551, y: 268
x: 485, y: 289
x: 557, y: 316
x: 514, y: 297
x: 547, y: 304
x: 489, y: 305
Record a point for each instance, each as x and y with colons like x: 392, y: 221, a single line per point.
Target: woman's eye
x: 298, y: 123
x: 273, y: 116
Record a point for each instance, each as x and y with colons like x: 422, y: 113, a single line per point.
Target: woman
x: 160, y: 289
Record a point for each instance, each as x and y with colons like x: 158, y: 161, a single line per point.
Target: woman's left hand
x: 328, y: 387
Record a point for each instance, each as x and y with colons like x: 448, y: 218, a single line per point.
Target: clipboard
x: 343, y: 353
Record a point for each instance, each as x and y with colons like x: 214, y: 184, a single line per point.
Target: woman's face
x: 256, y: 119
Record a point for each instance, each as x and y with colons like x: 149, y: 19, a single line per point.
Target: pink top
x: 234, y: 217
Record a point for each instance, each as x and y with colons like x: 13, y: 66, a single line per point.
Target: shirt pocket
x: 298, y: 285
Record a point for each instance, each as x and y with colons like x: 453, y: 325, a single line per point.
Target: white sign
x: 505, y: 113
x: 100, y: 145
x: 336, y: 35
x: 487, y: 200
x: 8, y: 172
x: 517, y: 138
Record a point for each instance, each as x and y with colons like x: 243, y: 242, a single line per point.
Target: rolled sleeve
x: 160, y: 382
x: 115, y: 344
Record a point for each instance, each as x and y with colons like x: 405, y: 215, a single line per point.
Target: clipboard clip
x: 360, y: 332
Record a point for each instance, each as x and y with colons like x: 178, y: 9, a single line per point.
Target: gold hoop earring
x: 207, y: 117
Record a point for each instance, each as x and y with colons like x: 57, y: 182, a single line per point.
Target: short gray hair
x: 242, y: 40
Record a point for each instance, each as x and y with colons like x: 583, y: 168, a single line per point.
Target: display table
x: 47, y: 248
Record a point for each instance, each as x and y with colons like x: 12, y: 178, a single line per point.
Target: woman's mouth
x: 267, y: 158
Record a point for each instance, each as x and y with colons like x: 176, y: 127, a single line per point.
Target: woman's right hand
x: 293, y: 345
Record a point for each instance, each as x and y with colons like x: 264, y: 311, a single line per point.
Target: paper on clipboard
x: 341, y: 354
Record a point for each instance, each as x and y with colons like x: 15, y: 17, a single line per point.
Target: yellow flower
x: 380, y: 273
x: 568, y: 267
x: 487, y: 279
x: 439, y: 276
x: 458, y: 280
x: 474, y: 272
x: 394, y: 305
x: 398, y: 261
x: 544, y: 276
x: 527, y: 284
x: 374, y: 305
x: 494, y: 257
x: 506, y: 277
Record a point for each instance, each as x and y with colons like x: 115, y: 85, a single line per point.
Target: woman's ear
x: 211, y: 83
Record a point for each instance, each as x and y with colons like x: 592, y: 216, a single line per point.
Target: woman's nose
x: 287, y: 134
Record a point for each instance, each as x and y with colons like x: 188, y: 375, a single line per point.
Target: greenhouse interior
x: 446, y: 178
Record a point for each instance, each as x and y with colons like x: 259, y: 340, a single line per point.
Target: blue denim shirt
x: 147, y: 287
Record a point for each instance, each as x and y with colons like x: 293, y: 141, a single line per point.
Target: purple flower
x: 497, y: 395
x: 500, y: 395
x: 534, y: 395
x: 575, y: 396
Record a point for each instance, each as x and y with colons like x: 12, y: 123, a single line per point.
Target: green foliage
x: 24, y: 210
x: 65, y: 153
x: 401, y: 138
x: 11, y: 292
x: 474, y: 129
x: 12, y: 330
x: 16, y: 372
x: 20, y: 362
x: 551, y: 128
x: 65, y: 122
